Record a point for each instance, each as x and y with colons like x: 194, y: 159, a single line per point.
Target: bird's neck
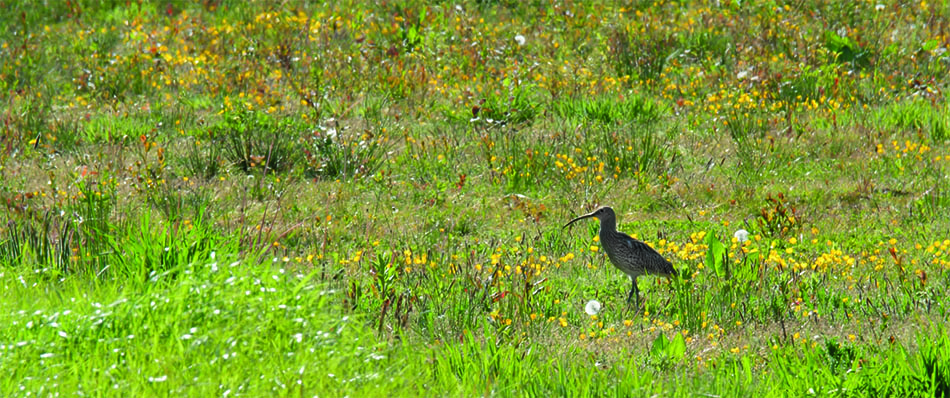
x: 607, y: 226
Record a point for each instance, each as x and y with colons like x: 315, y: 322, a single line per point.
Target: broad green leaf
x: 714, y: 254
x: 659, y: 346
x: 677, y: 347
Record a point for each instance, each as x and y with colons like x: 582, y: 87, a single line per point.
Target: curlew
x: 631, y: 256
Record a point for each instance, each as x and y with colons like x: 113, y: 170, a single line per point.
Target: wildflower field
x: 229, y: 198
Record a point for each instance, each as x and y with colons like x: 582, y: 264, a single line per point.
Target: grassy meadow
x: 228, y: 198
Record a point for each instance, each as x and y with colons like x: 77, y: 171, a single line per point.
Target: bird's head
x: 602, y: 213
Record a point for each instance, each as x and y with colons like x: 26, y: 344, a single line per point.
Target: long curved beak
x: 578, y: 218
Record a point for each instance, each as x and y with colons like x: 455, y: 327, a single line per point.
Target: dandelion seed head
x: 592, y: 307
x: 741, y: 235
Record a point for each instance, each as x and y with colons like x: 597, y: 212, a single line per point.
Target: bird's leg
x: 630, y: 294
x: 634, y: 292
x: 636, y: 297
x: 672, y: 292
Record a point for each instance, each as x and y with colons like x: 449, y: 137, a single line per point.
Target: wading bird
x: 631, y: 256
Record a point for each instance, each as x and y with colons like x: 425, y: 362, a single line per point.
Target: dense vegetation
x: 366, y: 198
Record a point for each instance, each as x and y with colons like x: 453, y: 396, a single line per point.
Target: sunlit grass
x: 211, y: 329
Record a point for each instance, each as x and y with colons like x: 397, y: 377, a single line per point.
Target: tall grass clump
x: 254, y: 140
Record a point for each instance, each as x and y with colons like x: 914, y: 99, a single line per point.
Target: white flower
x: 592, y: 307
x: 519, y: 39
x: 879, y: 7
x: 741, y: 235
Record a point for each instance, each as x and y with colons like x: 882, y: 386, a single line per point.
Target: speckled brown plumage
x: 631, y: 256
